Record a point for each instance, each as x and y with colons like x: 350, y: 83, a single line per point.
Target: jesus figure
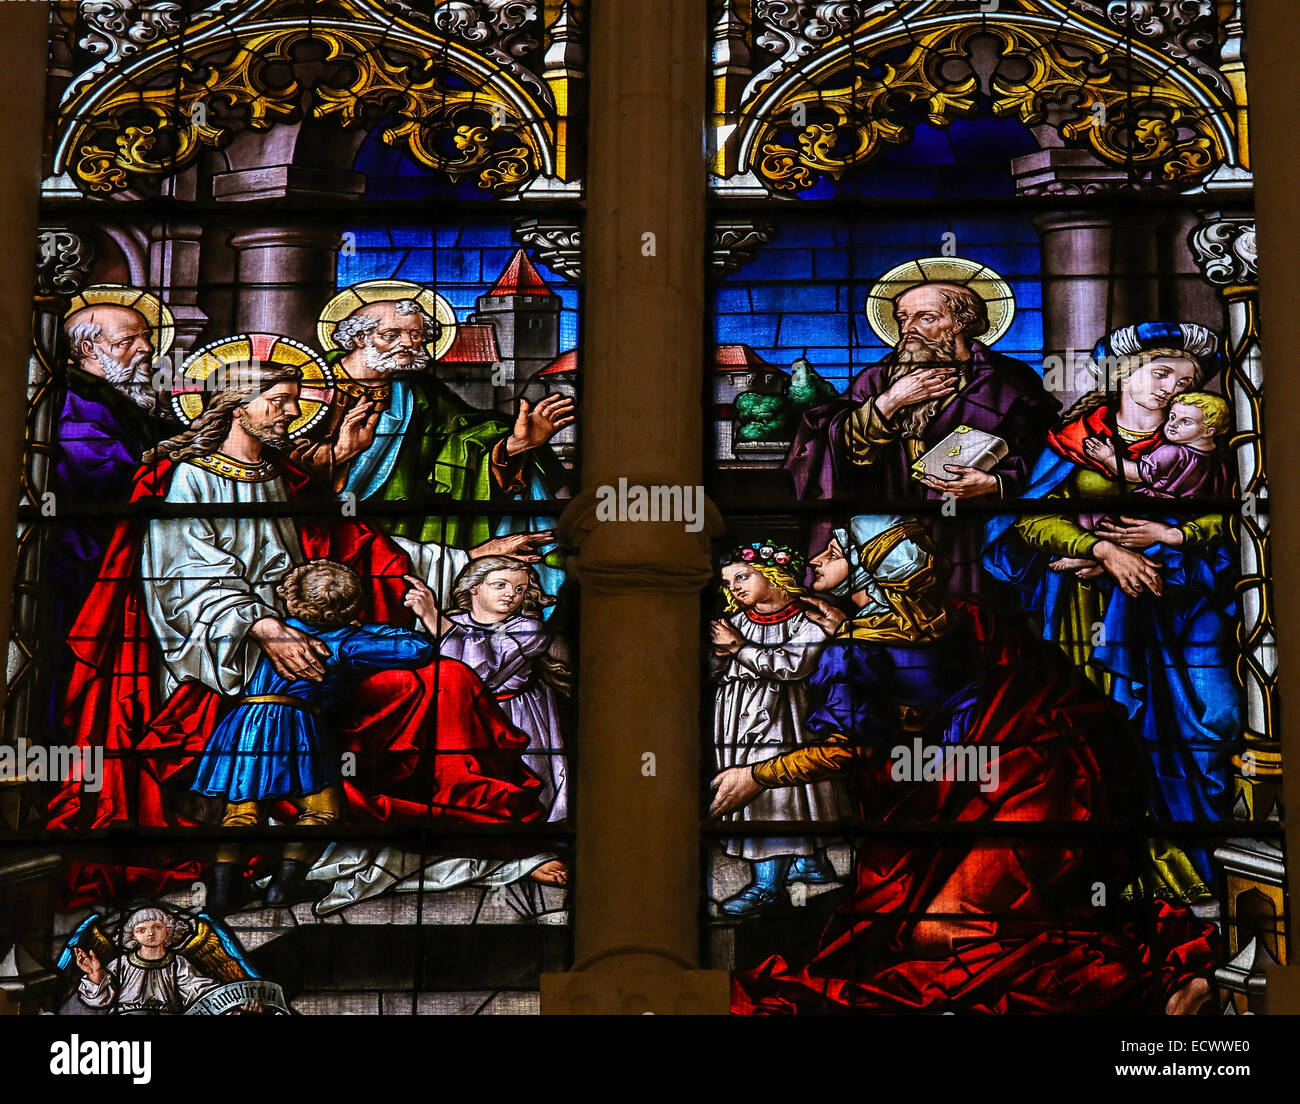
x: 184, y: 611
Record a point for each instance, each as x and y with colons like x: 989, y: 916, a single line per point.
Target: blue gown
x: 1170, y: 658
x: 266, y: 750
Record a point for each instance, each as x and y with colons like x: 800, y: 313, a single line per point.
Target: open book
x: 963, y: 447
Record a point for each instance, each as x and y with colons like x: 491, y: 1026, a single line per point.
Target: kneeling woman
x: 1022, y: 919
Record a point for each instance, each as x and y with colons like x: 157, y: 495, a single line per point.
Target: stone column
x: 1097, y: 275
x: 174, y: 252
x: 1253, y: 866
x: 285, y: 274
x: 1274, y: 42
x: 637, y: 879
x: 1097, y: 264
x: 23, y: 50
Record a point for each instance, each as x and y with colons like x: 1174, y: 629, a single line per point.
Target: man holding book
x: 943, y: 415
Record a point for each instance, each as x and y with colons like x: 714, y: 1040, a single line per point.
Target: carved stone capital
x: 63, y: 267
x: 736, y: 242
x: 617, y: 555
x: 556, y: 243
x: 1226, y: 251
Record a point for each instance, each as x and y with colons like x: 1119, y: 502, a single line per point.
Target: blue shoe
x: 812, y: 869
x: 762, y: 895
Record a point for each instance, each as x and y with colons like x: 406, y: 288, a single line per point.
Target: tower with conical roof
x: 525, y: 314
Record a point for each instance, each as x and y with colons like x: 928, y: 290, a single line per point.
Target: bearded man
x: 184, y: 610
x: 398, y: 434
x: 863, y: 445
x: 104, y: 420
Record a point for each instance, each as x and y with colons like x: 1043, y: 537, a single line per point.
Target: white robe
x: 760, y: 710
x: 131, y: 984
x: 208, y: 580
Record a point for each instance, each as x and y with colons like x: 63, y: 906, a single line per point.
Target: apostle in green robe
x: 398, y: 434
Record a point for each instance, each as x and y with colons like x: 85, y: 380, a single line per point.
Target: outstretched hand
x: 535, y: 425
x: 522, y: 546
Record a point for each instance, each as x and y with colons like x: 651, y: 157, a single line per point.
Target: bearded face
x: 272, y: 430
x: 395, y: 361
x: 917, y: 351
x: 131, y: 377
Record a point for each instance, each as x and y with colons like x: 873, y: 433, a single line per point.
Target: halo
x: 352, y: 299
x: 315, y: 396
x: 155, y: 311
x: 981, y: 279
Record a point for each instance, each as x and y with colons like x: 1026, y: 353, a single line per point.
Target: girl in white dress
x: 763, y: 655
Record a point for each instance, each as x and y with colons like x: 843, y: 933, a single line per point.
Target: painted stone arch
x: 453, y: 96
x: 854, y: 79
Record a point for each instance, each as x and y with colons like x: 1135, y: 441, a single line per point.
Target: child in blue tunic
x: 275, y: 743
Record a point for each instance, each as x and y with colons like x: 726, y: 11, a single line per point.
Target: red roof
x: 736, y: 358
x: 520, y: 278
x: 474, y: 344
x: 565, y: 362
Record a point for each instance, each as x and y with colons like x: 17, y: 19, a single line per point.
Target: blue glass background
x: 459, y: 262
x: 802, y: 296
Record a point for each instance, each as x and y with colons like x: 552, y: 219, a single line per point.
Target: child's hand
x: 726, y: 641
x: 88, y: 963
x: 425, y: 604
x: 1101, y: 451
x: 420, y: 598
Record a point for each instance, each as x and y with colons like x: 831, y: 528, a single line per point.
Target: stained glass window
x: 292, y: 672
x: 991, y: 722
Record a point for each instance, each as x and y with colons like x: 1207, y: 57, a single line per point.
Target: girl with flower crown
x: 763, y: 655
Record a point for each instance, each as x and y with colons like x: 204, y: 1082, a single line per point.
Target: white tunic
x: 208, y: 580
x: 133, y: 984
x: 761, y: 705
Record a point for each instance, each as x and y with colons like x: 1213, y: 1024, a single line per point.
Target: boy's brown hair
x: 322, y: 593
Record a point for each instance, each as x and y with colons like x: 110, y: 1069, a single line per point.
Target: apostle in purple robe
x: 105, y: 416
x: 940, y: 380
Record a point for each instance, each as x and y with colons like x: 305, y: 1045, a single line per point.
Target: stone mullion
x: 637, y: 879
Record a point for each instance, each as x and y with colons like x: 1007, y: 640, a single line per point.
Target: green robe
x: 446, y: 451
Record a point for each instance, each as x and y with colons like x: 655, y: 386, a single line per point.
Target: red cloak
x: 431, y: 745
x: 1030, y: 934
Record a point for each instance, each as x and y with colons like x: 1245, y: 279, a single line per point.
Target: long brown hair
x: 243, y: 384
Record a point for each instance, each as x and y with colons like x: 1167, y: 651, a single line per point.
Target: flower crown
x: 767, y: 554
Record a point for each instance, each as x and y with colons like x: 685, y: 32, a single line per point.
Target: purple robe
x: 1179, y: 471
x: 1002, y: 396
x: 96, y: 443
x: 505, y: 656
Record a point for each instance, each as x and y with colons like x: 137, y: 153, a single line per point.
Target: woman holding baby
x: 1143, y: 605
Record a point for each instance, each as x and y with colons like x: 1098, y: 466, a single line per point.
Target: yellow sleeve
x: 808, y: 764
x: 865, y: 433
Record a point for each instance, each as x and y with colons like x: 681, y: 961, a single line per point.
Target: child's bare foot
x: 1189, y: 1000
x: 1070, y: 563
x: 553, y: 873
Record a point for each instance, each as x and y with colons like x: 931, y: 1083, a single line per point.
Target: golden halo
x: 981, y: 279
x: 155, y: 311
x: 315, y: 396
x: 352, y: 299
